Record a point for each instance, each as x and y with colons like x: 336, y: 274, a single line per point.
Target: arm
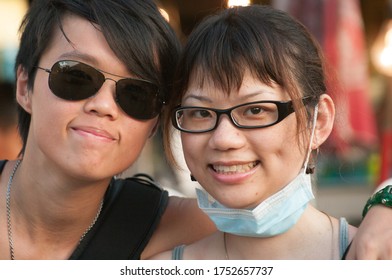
x: 374, y: 236
x: 182, y: 223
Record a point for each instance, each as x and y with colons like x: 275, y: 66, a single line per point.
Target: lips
x: 93, y: 131
x: 234, y: 169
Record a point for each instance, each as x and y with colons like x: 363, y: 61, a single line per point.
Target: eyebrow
x: 198, y: 97
x: 242, y: 98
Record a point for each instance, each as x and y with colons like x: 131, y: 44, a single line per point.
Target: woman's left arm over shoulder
x: 373, y: 239
x: 182, y: 223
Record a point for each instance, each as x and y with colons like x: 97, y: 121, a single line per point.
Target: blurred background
x: 356, y: 36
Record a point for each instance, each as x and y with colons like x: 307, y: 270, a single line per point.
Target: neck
x: 50, y: 218
x: 52, y: 198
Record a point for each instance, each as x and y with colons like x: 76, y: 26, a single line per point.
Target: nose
x: 103, y: 103
x: 226, y: 135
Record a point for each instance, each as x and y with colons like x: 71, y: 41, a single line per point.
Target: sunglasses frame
x: 96, y: 83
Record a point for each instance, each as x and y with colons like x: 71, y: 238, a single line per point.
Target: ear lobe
x: 325, y: 120
x: 23, y: 96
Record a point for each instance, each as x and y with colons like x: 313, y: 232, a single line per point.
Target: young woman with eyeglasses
x: 252, y: 107
x: 90, y: 90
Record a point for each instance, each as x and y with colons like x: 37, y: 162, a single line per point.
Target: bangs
x: 224, y: 62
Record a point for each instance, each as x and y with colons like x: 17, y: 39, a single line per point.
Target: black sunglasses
x: 74, y: 80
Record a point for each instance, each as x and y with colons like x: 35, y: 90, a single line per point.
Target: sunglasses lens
x: 72, y: 80
x: 139, y: 99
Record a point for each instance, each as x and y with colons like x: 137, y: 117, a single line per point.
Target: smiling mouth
x: 233, y: 169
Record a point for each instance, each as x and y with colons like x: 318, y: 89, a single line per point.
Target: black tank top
x: 2, y: 164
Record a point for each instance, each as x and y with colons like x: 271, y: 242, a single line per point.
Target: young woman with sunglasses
x: 92, y: 77
x: 252, y: 108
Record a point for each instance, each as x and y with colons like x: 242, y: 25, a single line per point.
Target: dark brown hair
x: 268, y: 42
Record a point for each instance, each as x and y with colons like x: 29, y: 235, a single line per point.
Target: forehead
x: 79, y: 39
x: 250, y: 86
x: 75, y: 32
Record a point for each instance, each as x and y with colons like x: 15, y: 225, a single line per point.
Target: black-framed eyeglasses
x: 258, y: 114
x: 73, y: 80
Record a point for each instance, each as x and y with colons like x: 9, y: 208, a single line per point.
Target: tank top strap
x: 178, y: 252
x: 343, y: 236
x: 2, y: 164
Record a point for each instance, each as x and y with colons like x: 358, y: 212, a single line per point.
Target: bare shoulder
x: 182, y: 223
x: 167, y: 255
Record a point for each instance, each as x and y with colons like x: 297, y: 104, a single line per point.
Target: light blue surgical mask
x: 273, y: 216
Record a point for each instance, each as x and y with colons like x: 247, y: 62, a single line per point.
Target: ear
x: 22, y: 93
x: 325, y: 120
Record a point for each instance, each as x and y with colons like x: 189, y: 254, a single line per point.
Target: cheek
x: 285, y: 137
x: 135, y: 135
x: 278, y: 149
x: 290, y: 154
x: 46, y: 108
x: 48, y: 115
x: 193, y: 149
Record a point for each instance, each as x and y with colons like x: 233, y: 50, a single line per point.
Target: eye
x: 254, y: 110
x: 257, y: 111
x: 202, y: 114
x: 199, y: 113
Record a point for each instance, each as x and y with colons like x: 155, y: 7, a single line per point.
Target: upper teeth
x: 234, y: 168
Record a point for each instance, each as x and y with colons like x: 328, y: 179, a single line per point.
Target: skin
x: 261, y: 153
x: 253, y: 164
x: 375, y: 224
x: 94, y: 133
x: 72, y: 152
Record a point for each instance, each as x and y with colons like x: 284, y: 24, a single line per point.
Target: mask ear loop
x: 306, y: 168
